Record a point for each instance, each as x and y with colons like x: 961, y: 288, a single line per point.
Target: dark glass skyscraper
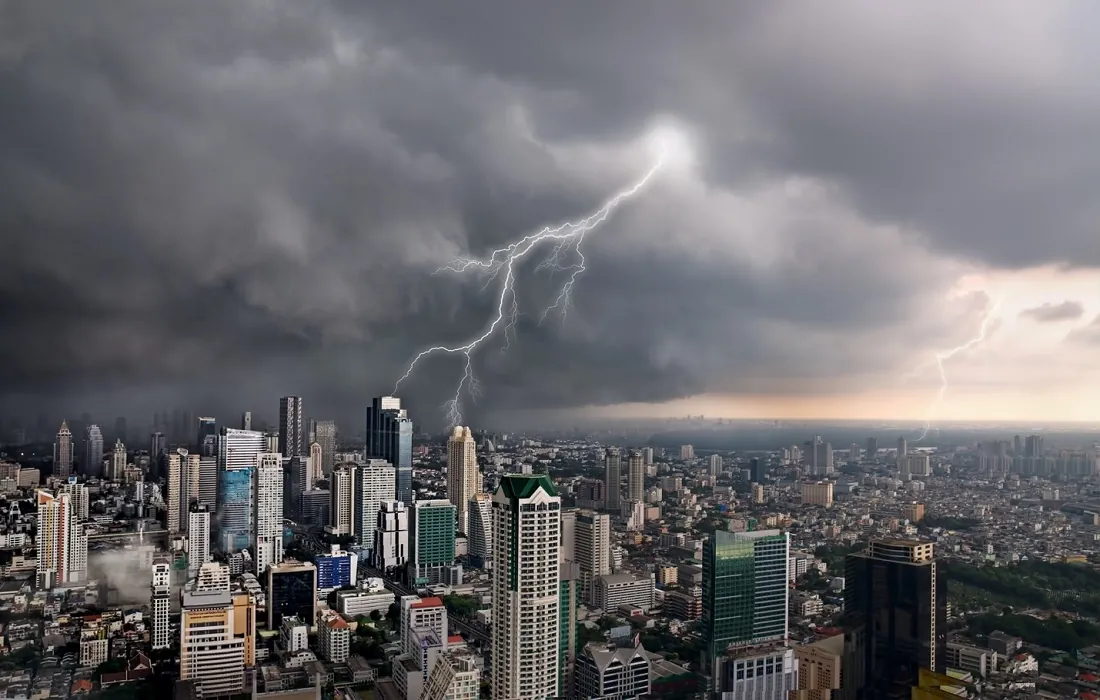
x: 291, y: 591
x: 290, y: 426
x: 895, y: 603
x: 744, y: 589
x: 389, y: 437
x: 206, y: 442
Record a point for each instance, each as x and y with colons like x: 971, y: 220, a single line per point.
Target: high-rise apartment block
x: 592, y: 549
x: 687, y: 452
x: 93, y: 452
x: 268, y: 511
x: 391, y: 536
x: 160, y: 602
x: 213, y: 641
x: 291, y: 439
x: 479, y: 530
x: 818, y: 493
x: 389, y: 437
x: 895, y: 604
x: 526, y: 588
x: 375, y: 482
x: 635, y: 477
x: 324, y: 435
x: 342, y: 489
x: 198, y: 537
x: 463, y: 476
x: 60, y: 540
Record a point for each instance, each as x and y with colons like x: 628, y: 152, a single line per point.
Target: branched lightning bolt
x: 565, y: 256
x: 940, y: 357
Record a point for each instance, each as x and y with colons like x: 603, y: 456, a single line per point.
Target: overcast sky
x: 208, y: 205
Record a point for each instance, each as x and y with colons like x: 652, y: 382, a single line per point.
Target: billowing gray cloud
x: 1052, y: 313
x: 218, y: 204
x: 1089, y: 335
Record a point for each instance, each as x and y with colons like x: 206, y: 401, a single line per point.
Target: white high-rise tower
x: 269, y: 511
x: 526, y: 587
x: 160, y: 601
x: 463, y: 477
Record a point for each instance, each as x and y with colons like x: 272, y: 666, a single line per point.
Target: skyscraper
x: 206, y: 441
x: 479, y: 532
x: 745, y: 592
x: 290, y: 426
x: 895, y: 604
x: 342, y: 511
x: 526, y: 588
x: 291, y: 591
x: 160, y: 601
x: 54, y: 539
x: 635, y: 477
x: 872, y: 447
x: 463, y: 477
x: 903, y: 447
x: 93, y: 452
x: 246, y: 420
x: 316, y: 465
x: 198, y: 537
x: 612, y: 480
x: 431, y: 540
x: 391, y: 537
x: 212, y: 643
x: 324, y: 434
x: 268, y: 511
x: 374, y: 483
x: 238, y: 454
x: 714, y: 463
x: 63, y: 452
x: 181, y: 466
x: 592, y: 549
x: 389, y: 437
x: 118, y: 462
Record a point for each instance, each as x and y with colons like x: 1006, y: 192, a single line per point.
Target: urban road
x: 472, y: 631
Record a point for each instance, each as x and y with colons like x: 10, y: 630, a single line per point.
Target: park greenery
x: 462, y: 606
x: 1071, y: 588
x: 930, y: 522
x: 1066, y: 635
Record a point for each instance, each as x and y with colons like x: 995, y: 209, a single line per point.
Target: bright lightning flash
x: 944, y: 356
x: 564, y: 256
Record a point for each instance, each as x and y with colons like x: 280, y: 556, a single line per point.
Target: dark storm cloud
x: 220, y: 203
x: 1052, y: 313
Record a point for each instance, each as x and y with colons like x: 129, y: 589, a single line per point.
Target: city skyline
x: 818, y: 252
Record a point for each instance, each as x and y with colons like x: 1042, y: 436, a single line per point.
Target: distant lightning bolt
x: 940, y: 357
x: 565, y: 256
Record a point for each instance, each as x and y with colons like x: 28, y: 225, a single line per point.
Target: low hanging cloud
x: 1053, y: 313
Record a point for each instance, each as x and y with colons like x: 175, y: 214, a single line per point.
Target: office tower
x: 316, y: 465
x: 854, y: 452
x: 526, y: 588
x: 714, y: 464
x: 93, y: 452
x: 325, y: 436
x: 480, y: 530
x: 336, y: 569
x: 268, y: 511
x: 158, y: 446
x: 391, y: 537
x: 212, y: 648
x: 1017, y: 446
x: 160, y: 602
x: 1033, y: 446
x: 903, y: 447
x: 431, y: 540
x: 757, y: 470
x: 463, y: 477
x: 687, y: 452
x: 63, y: 452
x: 54, y: 539
x: 296, y: 481
x: 895, y: 603
x: 183, y: 474
x: 568, y: 602
x: 607, y: 671
x: 290, y: 426
x: 238, y: 454
x: 592, y: 547
x: 342, y: 511
x: 647, y: 453
x: 118, y: 462
x: 389, y: 437
x: 198, y: 537
x: 612, y: 480
x: 568, y: 541
x: 817, y: 494
x: 744, y: 590
x: 635, y: 477
x: 291, y: 591
x: 375, y: 482
x: 820, y: 457
x: 872, y: 448
x: 246, y: 420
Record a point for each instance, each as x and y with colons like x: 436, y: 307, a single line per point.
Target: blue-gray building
x: 389, y: 437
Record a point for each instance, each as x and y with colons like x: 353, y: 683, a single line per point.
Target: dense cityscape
x: 285, y: 561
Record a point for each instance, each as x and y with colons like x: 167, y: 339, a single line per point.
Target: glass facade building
x: 389, y: 437
x: 291, y: 591
x: 238, y: 454
x: 745, y: 593
x: 431, y: 536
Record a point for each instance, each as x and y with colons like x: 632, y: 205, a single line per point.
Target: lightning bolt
x: 564, y: 256
x: 941, y: 357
